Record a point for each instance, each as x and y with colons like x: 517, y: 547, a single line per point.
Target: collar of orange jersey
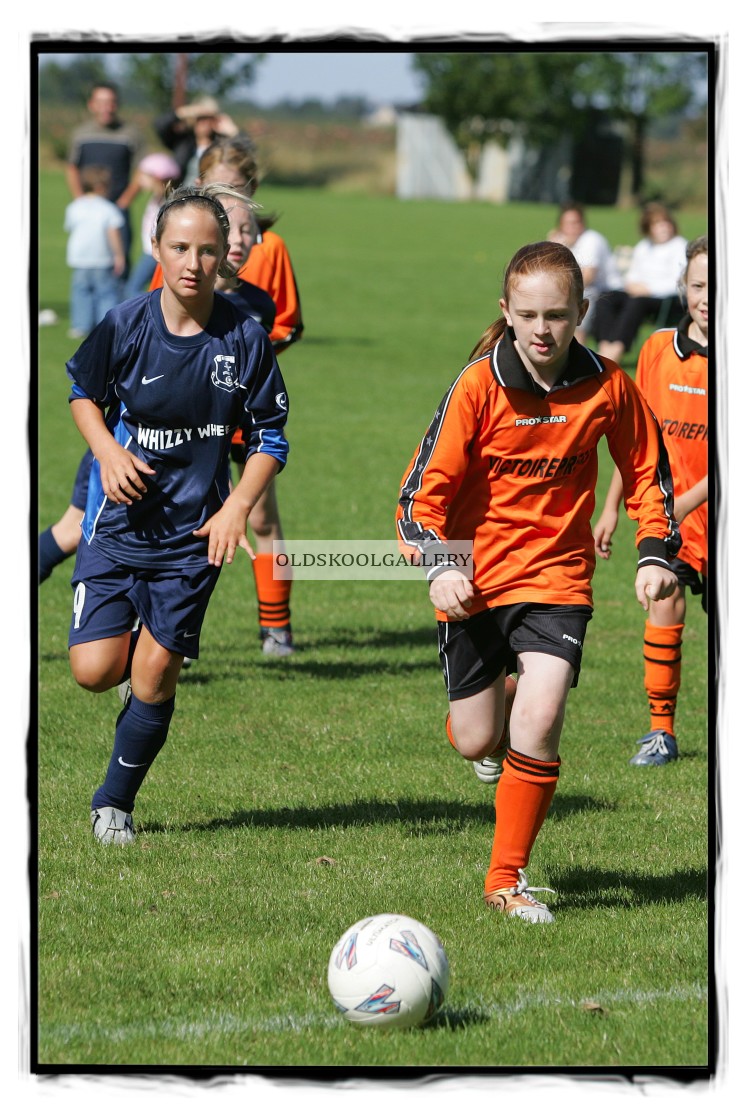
x: 684, y: 346
x: 509, y: 370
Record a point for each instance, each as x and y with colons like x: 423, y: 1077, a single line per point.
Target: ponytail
x: 489, y: 338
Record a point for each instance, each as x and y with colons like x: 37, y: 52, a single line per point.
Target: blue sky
x: 381, y: 77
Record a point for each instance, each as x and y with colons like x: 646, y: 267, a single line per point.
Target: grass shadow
x: 592, y: 888
x: 429, y: 815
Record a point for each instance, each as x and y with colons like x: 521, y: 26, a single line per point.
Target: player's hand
x: 452, y: 593
x: 121, y: 475
x: 603, y: 531
x: 654, y: 583
x: 226, y: 531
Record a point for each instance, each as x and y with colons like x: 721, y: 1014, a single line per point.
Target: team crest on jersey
x: 224, y: 373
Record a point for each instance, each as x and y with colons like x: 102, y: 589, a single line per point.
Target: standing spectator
x: 594, y: 256
x: 190, y: 130
x: 95, y: 252
x: 106, y: 141
x: 656, y: 266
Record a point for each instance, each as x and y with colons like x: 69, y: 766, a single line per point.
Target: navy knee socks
x: 140, y: 734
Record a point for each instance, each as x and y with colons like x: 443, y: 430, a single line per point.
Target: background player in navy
x: 159, y: 388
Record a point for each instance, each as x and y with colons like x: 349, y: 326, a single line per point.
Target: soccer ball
x: 388, y: 971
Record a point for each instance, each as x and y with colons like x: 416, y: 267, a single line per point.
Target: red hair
x: 540, y: 256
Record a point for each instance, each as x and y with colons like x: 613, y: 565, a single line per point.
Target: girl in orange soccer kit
x: 510, y: 463
x: 672, y: 374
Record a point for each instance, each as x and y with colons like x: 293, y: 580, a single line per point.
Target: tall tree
x: 70, y: 83
x: 541, y: 95
x: 167, y: 80
x: 640, y: 88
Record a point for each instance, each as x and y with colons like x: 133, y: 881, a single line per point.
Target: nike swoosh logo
x: 147, y: 380
x: 130, y: 765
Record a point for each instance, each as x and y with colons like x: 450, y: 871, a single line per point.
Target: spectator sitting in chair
x: 594, y: 256
x: 656, y: 265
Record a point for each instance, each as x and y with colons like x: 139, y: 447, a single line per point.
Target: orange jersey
x: 269, y: 267
x: 514, y: 469
x: 672, y: 374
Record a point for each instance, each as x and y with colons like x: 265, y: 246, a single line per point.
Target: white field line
x: 226, y: 1023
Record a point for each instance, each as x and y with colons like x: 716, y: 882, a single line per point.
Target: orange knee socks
x: 273, y: 595
x: 522, y: 798
x: 662, y: 666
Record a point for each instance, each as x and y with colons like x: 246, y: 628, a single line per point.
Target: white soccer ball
x: 388, y: 971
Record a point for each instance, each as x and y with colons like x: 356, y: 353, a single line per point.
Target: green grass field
x: 295, y: 797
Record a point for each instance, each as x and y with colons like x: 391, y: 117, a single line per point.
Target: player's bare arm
x: 120, y: 470
x: 608, y: 518
x: 451, y: 592
x: 685, y: 503
x: 654, y: 583
x: 226, y: 529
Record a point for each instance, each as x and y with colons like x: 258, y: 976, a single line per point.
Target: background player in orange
x: 672, y: 374
x: 233, y: 162
x: 510, y: 463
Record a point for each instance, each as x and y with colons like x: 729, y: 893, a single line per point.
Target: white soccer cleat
x: 490, y: 769
x: 112, y: 826
x: 519, y: 901
x: 276, y: 642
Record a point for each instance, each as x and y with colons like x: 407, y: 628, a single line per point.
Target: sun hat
x: 161, y: 166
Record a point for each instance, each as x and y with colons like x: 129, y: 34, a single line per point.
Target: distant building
x: 385, y: 116
x: 430, y: 165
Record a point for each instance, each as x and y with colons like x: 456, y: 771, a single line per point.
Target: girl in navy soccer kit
x: 159, y: 387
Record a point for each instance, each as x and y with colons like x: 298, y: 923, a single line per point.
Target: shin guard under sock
x: 662, y: 670
x: 522, y: 798
x: 141, y: 732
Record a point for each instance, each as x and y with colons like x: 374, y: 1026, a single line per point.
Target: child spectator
x: 95, y: 252
x: 155, y: 173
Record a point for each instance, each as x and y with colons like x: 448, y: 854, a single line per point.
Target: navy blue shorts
x: 79, y: 495
x: 109, y: 597
x: 475, y: 653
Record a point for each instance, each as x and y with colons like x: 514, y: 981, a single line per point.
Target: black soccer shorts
x: 474, y: 653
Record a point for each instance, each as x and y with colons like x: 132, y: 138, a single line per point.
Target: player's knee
x: 537, y: 721
x: 474, y: 743
x: 92, y: 677
x: 263, y: 527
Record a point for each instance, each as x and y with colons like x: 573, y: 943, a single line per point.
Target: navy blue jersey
x: 175, y: 402
x: 254, y: 302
